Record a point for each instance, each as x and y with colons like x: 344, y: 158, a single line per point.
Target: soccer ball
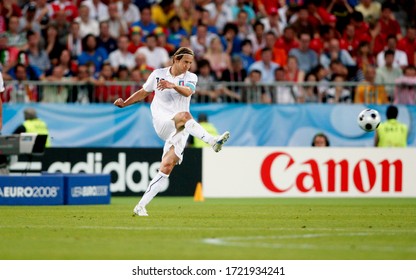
x: 369, y: 119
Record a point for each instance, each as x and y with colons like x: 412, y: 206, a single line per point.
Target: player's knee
x: 185, y: 116
x: 167, y: 166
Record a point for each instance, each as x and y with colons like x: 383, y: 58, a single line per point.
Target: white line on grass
x: 184, y: 228
x: 258, y: 241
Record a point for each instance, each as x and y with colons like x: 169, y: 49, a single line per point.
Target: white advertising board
x: 309, y: 172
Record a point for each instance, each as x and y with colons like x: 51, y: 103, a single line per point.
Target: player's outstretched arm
x: 134, y: 98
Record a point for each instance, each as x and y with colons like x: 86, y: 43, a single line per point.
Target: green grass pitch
x: 217, y: 229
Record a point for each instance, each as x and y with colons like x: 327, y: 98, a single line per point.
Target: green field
x: 217, y: 229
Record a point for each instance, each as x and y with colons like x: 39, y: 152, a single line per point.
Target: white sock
x: 153, y: 188
x: 196, y: 130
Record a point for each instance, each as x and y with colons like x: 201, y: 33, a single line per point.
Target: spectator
x: 370, y: 10
x: 92, y: 53
x: 364, y: 56
x: 284, y: 94
x: 266, y: 66
x: 42, y: 13
x: 104, y: 90
x: 16, y: 38
x: 156, y: 56
x: 118, y: 26
x: 387, y: 74
x: 145, y: 23
x: 8, y: 55
x: 244, y: 28
x: 55, y: 92
x: 176, y: 32
x: 202, y: 16
x: 292, y: 71
x: 69, y: 67
x: 310, y: 92
x: 361, y: 28
x: 288, y: 40
x: 342, y: 10
x: 306, y: 57
x: 205, y: 91
x: 408, y: 44
x: 122, y: 56
x: 237, y: 74
x: 74, y: 40
x: 201, y: 40
x: 230, y: 40
x: 246, y: 54
x: 217, y: 57
x: 82, y: 93
x: 400, y: 57
x: 243, y: 5
x: 141, y: 63
x: 98, y: 10
x: 105, y: 40
x: 391, y: 133
x: 19, y: 91
x: 186, y: 14
x: 10, y: 8
x: 86, y: 24
x: 321, y: 74
x: 128, y: 11
x: 28, y: 20
x: 70, y: 10
x: 302, y: 24
x: 220, y: 13
x: 318, y: 14
x: 350, y: 40
x: 320, y: 140
x: 62, y: 27
x: 273, y: 23
x: 253, y: 92
x: 337, y: 93
x: 387, y: 24
x: 135, y: 39
x: 37, y: 56
x: 369, y: 93
x: 257, y: 38
x: 53, y: 46
x: 334, y: 52
x: 405, y: 89
x: 33, y: 73
x: 33, y: 124
x: 162, y: 40
x: 163, y: 12
x: 279, y: 55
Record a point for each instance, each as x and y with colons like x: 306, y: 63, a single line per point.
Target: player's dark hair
x: 392, y: 112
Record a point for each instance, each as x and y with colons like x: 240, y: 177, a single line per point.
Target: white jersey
x: 168, y: 102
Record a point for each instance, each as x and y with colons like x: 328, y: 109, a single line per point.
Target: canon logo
x: 124, y: 173
x: 330, y: 176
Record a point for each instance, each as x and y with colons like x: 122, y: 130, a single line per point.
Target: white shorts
x: 166, y: 130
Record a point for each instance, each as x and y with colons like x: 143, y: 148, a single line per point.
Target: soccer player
x: 173, y: 87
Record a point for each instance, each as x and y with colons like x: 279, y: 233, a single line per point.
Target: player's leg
x: 184, y: 119
x: 168, y: 163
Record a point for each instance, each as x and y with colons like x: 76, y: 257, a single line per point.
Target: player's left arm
x: 186, y: 90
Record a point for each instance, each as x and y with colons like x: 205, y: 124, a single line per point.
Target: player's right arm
x: 148, y: 87
x: 134, y: 98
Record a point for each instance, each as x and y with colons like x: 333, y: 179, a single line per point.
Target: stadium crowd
x: 261, y: 51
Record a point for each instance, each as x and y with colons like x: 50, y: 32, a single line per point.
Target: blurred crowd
x: 258, y: 51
